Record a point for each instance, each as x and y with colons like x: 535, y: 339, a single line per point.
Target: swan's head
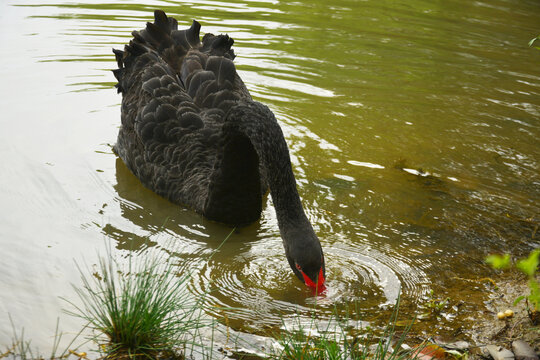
x: 307, y: 262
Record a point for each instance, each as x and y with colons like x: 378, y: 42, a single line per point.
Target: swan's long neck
x: 258, y: 123
x: 302, y: 247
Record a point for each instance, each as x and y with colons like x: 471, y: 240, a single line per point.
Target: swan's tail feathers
x: 118, y: 73
x: 161, y: 38
x: 119, y: 55
x: 190, y: 38
x: 163, y: 33
x: 220, y: 45
x: 163, y: 22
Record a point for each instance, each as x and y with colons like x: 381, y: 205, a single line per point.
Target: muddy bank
x: 484, y: 333
x: 489, y: 329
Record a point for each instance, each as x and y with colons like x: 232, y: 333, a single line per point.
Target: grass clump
x: 342, y: 344
x: 139, y: 310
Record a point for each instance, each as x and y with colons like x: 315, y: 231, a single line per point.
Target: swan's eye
x: 298, y: 267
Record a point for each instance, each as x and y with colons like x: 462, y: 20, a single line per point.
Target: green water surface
x: 414, y: 134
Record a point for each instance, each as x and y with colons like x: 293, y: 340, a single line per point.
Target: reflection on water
x: 413, y: 129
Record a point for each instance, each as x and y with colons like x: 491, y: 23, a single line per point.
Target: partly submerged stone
x: 523, y: 351
x: 499, y: 353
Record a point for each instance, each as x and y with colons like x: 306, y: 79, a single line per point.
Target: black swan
x: 192, y: 133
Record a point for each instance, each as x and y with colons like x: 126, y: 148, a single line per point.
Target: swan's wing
x: 163, y: 139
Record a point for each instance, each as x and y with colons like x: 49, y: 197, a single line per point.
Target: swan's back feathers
x: 176, y: 92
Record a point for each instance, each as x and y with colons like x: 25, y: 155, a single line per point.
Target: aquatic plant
x: 139, y: 310
x: 533, y: 41
x: 433, y: 306
x: 316, y: 343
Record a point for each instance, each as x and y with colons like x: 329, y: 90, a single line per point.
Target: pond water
x: 414, y: 134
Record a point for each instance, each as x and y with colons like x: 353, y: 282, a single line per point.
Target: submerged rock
x: 523, y: 351
x: 499, y: 353
x: 457, y: 345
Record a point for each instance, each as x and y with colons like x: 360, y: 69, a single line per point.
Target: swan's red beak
x: 317, y: 287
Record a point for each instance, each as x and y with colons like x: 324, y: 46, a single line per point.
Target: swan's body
x: 191, y: 133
